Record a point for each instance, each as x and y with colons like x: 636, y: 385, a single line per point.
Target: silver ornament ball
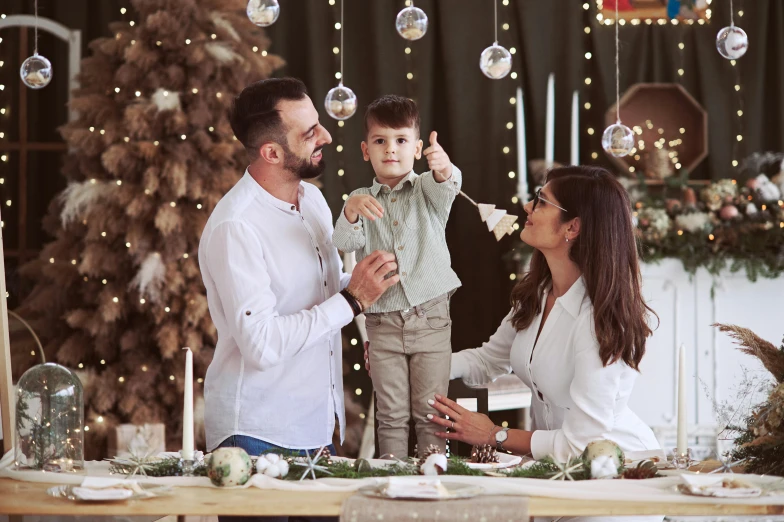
x: 495, y: 62
x: 618, y: 140
x: 263, y: 12
x: 36, y: 72
x: 411, y: 23
x: 732, y: 42
x: 341, y: 102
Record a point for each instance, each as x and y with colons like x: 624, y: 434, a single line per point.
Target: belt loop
x: 419, y: 311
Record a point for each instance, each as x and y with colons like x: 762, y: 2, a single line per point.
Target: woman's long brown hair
x: 606, y: 251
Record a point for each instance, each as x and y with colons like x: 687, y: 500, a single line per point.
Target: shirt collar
x: 265, y: 196
x: 572, y: 300
x: 376, y: 188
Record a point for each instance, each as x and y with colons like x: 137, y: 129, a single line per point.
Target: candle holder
x: 187, y: 467
x: 681, y: 460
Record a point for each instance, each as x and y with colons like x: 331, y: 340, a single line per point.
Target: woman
x: 577, y: 329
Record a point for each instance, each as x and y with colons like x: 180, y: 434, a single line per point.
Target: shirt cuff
x: 459, y: 367
x: 338, y: 311
x: 344, y: 225
x: 543, y: 443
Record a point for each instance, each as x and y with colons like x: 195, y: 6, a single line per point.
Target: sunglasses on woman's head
x: 538, y: 197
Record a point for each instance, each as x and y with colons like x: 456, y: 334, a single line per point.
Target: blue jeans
x: 257, y: 447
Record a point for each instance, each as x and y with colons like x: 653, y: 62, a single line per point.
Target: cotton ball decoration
x: 36, y: 71
x: 435, y: 464
x: 495, y: 62
x: 341, y: 102
x: 411, y: 23
x: 263, y: 12
x: 272, y: 465
x: 751, y: 209
x: 608, y: 456
x: 732, y: 42
x: 766, y: 189
x: 618, y: 140
x: 229, y: 467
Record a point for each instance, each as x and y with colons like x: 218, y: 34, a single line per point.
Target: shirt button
x: 404, y: 274
x: 394, y: 223
x: 247, y: 312
x: 330, y: 352
x: 293, y: 207
x: 400, y: 247
x: 393, y: 200
x: 356, y: 228
x: 325, y: 283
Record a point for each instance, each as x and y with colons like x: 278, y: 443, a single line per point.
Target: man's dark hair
x: 254, y: 116
x: 392, y: 111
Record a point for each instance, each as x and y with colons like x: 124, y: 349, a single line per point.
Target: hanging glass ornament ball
x: 618, y: 140
x: 732, y: 42
x: 495, y: 62
x: 36, y: 72
x: 341, y: 102
x: 411, y: 23
x: 263, y: 12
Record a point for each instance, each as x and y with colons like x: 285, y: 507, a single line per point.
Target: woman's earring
x: 567, y: 239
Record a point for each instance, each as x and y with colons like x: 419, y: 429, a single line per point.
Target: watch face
x: 501, y: 436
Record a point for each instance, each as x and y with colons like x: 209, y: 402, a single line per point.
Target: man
x: 275, y: 286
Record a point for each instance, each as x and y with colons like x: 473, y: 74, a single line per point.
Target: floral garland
x: 735, y: 224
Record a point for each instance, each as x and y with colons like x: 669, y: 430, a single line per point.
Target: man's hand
x: 363, y: 205
x: 437, y: 159
x: 367, y: 279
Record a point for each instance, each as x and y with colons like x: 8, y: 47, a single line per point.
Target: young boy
x: 409, y: 327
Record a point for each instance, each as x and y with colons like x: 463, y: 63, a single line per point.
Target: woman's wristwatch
x: 500, y: 437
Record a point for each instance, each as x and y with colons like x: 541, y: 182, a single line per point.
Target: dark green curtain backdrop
x: 471, y: 112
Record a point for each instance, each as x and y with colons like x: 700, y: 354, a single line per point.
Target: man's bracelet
x: 352, y: 301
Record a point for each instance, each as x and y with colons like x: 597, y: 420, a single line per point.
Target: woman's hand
x: 467, y: 426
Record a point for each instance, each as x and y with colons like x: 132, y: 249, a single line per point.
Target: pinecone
x: 644, y: 470
x: 431, y: 450
x: 484, y: 454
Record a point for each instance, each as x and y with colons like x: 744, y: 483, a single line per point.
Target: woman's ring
x: 453, y: 425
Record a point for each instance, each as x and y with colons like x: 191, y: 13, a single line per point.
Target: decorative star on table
x: 312, y: 464
x: 565, y: 469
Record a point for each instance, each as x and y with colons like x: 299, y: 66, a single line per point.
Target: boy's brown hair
x: 394, y: 112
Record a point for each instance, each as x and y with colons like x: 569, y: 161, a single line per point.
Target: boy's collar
x: 377, y: 187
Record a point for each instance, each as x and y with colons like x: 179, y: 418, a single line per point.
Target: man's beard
x: 303, y: 168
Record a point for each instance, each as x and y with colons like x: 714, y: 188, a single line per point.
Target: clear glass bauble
x: 49, y: 420
x: 495, y: 62
x: 341, y: 102
x: 36, y: 72
x: 732, y: 42
x: 411, y: 23
x: 263, y: 12
x: 618, y: 140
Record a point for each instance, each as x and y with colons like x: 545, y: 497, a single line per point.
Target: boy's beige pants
x: 410, y: 356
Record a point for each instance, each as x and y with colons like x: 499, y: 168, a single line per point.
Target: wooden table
x: 27, y: 498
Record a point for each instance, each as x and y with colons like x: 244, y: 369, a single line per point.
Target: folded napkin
x: 416, y: 487
x: 720, y: 485
x: 111, y: 493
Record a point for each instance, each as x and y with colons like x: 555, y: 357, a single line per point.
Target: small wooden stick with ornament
x: 498, y: 221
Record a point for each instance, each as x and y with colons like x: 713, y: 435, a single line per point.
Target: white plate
x: 454, y: 490
x: 504, y: 461
x: 144, y: 491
